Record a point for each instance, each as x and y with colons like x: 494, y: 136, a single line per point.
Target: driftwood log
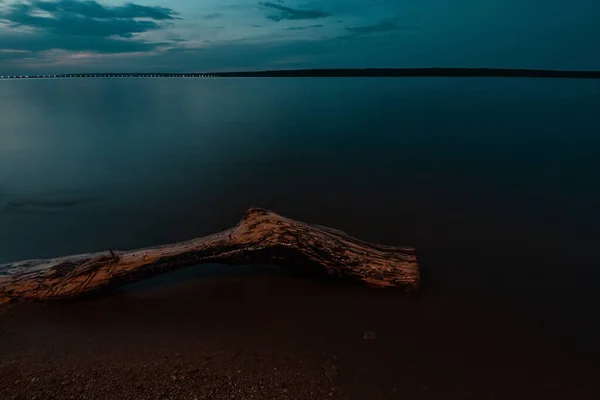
x: 260, y: 237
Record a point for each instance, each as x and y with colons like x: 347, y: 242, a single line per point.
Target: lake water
x: 496, y: 182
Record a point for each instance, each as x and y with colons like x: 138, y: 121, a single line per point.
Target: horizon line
x: 347, y: 72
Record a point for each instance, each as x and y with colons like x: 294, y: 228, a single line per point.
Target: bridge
x: 108, y: 75
x: 345, y: 73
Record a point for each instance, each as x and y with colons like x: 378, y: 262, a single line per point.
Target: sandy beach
x: 264, y: 333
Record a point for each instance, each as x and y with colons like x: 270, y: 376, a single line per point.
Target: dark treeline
x: 420, y: 72
x: 347, y: 73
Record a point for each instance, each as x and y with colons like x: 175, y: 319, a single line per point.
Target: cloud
x: 87, y: 18
x: 81, y: 26
x: 13, y: 54
x: 301, y: 28
x: 248, y: 54
x: 213, y: 16
x: 383, y: 26
x: 34, y: 43
x: 93, y: 9
x: 288, y: 13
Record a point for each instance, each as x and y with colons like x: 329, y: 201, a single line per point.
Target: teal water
x: 495, y: 181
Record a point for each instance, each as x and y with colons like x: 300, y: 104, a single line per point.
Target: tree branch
x: 260, y: 237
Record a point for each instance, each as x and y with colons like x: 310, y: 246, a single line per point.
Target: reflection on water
x: 496, y: 182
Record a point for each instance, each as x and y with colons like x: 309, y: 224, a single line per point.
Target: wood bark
x: 260, y: 237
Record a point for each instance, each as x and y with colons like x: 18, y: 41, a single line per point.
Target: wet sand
x: 218, y: 332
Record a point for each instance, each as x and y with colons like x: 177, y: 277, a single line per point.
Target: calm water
x: 496, y: 182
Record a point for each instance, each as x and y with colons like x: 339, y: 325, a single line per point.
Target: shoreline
x: 263, y: 332
x: 340, y: 73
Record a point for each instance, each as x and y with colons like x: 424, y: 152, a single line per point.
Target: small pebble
x: 370, y: 335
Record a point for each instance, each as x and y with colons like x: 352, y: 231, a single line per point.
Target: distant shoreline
x: 342, y: 73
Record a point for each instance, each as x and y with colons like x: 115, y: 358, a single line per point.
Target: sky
x: 63, y: 36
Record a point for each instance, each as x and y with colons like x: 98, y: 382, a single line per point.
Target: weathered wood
x: 260, y: 237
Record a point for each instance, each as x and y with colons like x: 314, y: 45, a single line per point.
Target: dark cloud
x: 82, y: 26
x: 93, y: 10
x: 213, y: 16
x: 288, y: 13
x: 301, y: 28
x: 87, y: 18
x: 383, y: 26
